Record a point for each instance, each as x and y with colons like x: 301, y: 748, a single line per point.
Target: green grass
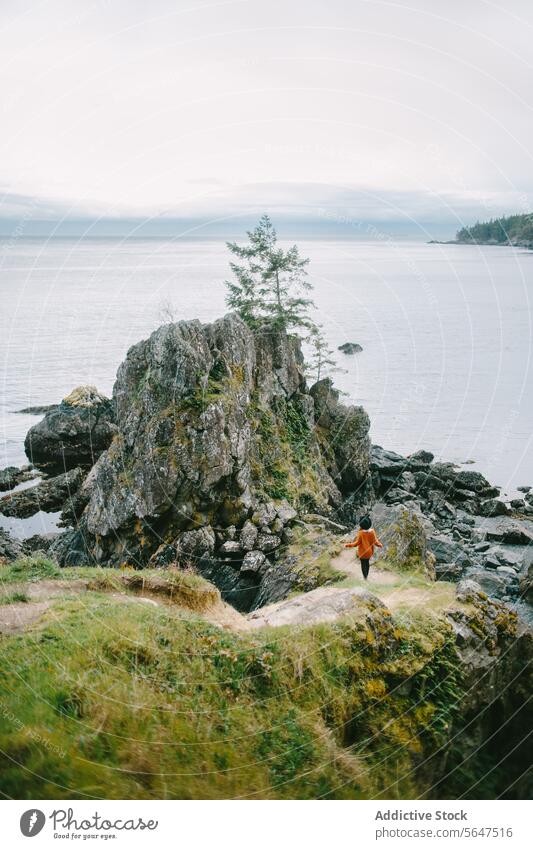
x: 29, y: 569
x: 182, y: 587
x: 127, y: 701
x: 14, y: 598
x: 111, y: 700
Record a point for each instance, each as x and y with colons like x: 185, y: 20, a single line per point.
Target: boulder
x: 350, y: 348
x: 254, y: 562
x: 420, y: 459
x: 39, y: 542
x: 491, y: 561
x: 510, y: 555
x: 192, y: 545
x: 448, y: 571
x: 468, y: 591
x: 11, y: 476
x: 50, y: 495
x: 248, y: 536
x: 387, y: 463
x: 73, y: 434
x: 446, y: 550
x: 407, y: 481
x: 267, y: 542
x: 475, y: 482
x: 428, y: 483
x: 231, y: 549
x: 10, y: 548
x: 286, y: 513
x: 264, y: 514
x: 508, y: 531
x: 491, y: 583
x: 492, y: 507
x: 444, y: 471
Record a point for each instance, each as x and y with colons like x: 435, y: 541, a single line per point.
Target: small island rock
x: 350, y: 348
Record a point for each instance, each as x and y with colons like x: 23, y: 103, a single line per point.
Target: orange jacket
x: 364, y: 542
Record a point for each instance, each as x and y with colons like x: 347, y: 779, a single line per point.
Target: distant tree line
x: 512, y: 230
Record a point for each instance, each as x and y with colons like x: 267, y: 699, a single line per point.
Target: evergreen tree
x: 322, y: 362
x: 269, y: 283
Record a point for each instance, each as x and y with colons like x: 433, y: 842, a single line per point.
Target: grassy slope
x: 121, y: 700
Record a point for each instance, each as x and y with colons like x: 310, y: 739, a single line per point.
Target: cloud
x: 296, y: 208
x: 202, y: 109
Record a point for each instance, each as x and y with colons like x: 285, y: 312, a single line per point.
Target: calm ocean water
x: 446, y: 333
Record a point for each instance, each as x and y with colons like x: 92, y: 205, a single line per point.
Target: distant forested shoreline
x: 512, y: 230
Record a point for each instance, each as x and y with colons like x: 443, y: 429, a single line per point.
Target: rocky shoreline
x: 214, y: 452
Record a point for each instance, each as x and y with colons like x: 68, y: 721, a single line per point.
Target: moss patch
x: 407, y: 548
x: 311, y: 552
x: 286, y: 460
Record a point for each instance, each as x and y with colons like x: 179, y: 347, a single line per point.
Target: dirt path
x: 348, y: 563
x: 396, y: 590
x: 17, y: 616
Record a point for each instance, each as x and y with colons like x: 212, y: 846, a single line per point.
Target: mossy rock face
x: 404, y: 533
x: 212, y: 420
x: 286, y: 458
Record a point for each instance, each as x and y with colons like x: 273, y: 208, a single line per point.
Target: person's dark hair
x: 365, y: 523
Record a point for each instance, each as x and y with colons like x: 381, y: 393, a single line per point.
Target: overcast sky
x: 329, y: 109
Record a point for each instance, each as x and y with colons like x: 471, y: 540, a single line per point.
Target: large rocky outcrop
x: 74, y: 433
x: 219, y: 442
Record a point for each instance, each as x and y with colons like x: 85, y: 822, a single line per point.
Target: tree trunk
x: 278, y: 296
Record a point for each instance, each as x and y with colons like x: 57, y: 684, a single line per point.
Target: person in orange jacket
x: 365, y: 542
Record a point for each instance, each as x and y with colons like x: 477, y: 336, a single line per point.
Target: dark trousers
x: 365, y: 567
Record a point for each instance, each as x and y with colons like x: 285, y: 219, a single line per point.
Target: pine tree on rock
x: 322, y: 362
x: 270, y: 283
